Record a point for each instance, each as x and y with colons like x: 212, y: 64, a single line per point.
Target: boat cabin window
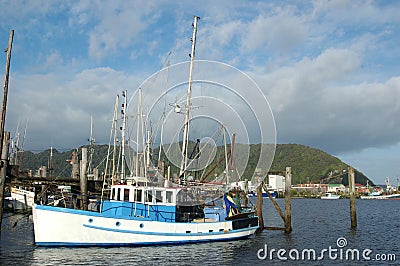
x: 169, y: 197
x: 137, y: 195
x: 149, y: 196
x: 126, y: 194
x: 118, y: 194
x: 159, y: 197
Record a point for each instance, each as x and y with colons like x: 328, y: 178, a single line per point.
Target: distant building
x: 335, y: 188
x: 310, y: 188
x: 361, y: 188
x: 276, y: 183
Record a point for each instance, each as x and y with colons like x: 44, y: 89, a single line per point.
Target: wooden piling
x: 246, y: 193
x: 5, y: 91
x: 288, y: 205
x: 259, y: 208
x: 75, y: 165
x: 277, y: 208
x: 4, y: 136
x: 25, y: 203
x: 353, y: 212
x: 3, y: 170
x: 83, y: 179
x: 287, y: 216
x: 43, y: 195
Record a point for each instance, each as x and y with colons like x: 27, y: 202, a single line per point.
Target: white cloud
x: 61, y: 112
x: 279, y: 33
x: 329, y: 68
x: 313, y: 106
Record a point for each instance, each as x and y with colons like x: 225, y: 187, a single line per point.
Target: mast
x: 189, y: 94
x: 226, y: 156
x: 112, y: 134
x: 163, y: 115
x: 91, y: 146
x: 15, y: 147
x: 148, y: 143
x: 51, y: 162
x: 139, y: 121
x: 114, y: 127
x: 21, y: 152
x: 123, y: 112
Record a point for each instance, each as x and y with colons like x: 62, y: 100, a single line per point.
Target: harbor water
x: 321, y: 236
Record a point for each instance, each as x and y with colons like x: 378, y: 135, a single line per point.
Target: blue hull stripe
x: 169, y: 234
x: 181, y: 242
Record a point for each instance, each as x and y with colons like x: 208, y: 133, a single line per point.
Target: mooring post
x: 83, y: 179
x: 43, y: 195
x: 353, y: 212
x: 246, y: 193
x: 288, y: 205
x: 259, y: 207
x: 4, y: 163
x: 5, y: 91
x: 75, y: 165
x: 4, y: 136
x: 25, y: 203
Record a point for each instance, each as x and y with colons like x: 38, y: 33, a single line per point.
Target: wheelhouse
x: 144, y: 195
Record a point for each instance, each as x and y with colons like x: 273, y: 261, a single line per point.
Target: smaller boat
x: 379, y: 193
x: 20, y: 198
x: 273, y: 194
x: 330, y: 196
x: 380, y: 196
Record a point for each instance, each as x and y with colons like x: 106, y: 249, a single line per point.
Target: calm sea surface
x: 317, y: 225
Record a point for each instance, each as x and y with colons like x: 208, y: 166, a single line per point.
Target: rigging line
x: 112, y: 134
x: 170, y: 144
x: 165, y: 107
x: 208, y: 142
x: 214, y: 149
x: 104, y: 159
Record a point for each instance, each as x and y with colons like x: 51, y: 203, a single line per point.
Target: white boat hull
x: 56, y: 226
x: 20, y: 199
x: 330, y: 197
x: 392, y: 196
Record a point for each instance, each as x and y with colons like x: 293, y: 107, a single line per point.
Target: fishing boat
x: 330, y: 196
x: 20, y: 198
x: 141, y: 211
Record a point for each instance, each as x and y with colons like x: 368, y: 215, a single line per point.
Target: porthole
x: 117, y: 223
x: 90, y: 220
x: 141, y: 225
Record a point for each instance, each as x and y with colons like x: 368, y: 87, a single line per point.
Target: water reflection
x: 317, y: 224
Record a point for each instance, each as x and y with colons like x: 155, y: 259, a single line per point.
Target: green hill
x: 307, y: 164
x: 313, y: 165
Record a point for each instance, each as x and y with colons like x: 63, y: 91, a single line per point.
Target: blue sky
x: 329, y: 69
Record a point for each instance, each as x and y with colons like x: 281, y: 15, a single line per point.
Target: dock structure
x: 287, y: 215
x: 74, y: 191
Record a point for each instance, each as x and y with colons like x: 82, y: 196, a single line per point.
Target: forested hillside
x: 308, y: 164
